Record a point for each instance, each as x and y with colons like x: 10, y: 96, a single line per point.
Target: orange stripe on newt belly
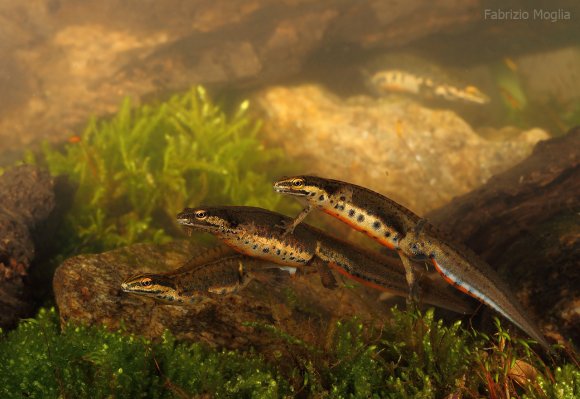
x: 355, y: 226
x: 451, y: 281
x: 236, y: 248
x: 359, y: 279
x: 244, y: 251
x: 386, y: 243
x: 255, y: 253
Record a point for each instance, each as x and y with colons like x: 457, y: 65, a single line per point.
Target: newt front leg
x: 289, y: 227
x: 326, y: 277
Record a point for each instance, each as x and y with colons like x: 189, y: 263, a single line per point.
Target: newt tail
x: 467, y: 272
x: 398, y: 228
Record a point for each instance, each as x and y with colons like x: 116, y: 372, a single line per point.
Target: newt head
x: 473, y: 94
x: 312, y: 187
x: 292, y: 185
x: 155, y: 286
x: 210, y: 219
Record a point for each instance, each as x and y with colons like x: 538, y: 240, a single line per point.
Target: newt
x: 400, y: 229
x: 255, y: 232
x: 197, y: 283
x: 396, y: 80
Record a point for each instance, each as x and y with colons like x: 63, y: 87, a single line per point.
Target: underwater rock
x: 420, y: 157
x: 26, y: 201
x: 88, y: 290
x: 525, y: 222
x: 81, y: 58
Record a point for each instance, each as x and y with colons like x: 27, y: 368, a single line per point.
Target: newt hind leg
x: 411, y: 277
x: 326, y: 277
x: 321, y: 267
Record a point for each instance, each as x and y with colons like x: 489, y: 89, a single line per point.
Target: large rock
x: 26, y: 201
x: 87, y: 290
x: 526, y: 223
x: 419, y: 157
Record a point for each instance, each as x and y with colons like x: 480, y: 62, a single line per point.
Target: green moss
x: 415, y: 356
x: 565, y: 383
x: 137, y: 170
x: 411, y: 356
x: 427, y: 357
x: 39, y: 361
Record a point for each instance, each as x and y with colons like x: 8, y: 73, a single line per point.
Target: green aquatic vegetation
x: 357, y: 370
x: 413, y: 355
x: 428, y: 358
x: 135, y: 171
x: 510, y: 367
x: 565, y: 383
x: 37, y: 360
x: 570, y: 116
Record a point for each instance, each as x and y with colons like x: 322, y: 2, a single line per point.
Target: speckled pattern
x: 244, y: 228
x: 88, y: 290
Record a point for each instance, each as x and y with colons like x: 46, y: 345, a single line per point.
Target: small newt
x: 198, y: 283
x: 394, y: 80
x: 255, y: 232
x: 400, y: 229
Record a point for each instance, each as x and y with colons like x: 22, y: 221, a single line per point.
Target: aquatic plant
x: 570, y: 117
x: 428, y: 359
x: 416, y: 356
x: 135, y: 171
x: 411, y: 356
x: 39, y: 361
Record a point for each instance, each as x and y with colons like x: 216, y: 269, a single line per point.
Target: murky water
x: 65, y: 61
x: 424, y: 103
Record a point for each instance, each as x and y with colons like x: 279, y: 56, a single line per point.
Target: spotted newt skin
x: 364, y: 210
x: 398, y: 228
x: 255, y: 232
x: 197, y: 283
x: 394, y: 80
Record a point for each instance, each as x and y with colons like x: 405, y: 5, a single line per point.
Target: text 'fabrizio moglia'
x: 539, y: 14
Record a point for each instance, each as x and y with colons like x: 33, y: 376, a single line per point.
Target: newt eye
x: 200, y: 215
x: 297, y: 183
x: 146, y: 283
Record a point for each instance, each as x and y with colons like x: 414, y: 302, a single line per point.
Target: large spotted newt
x: 398, y: 228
